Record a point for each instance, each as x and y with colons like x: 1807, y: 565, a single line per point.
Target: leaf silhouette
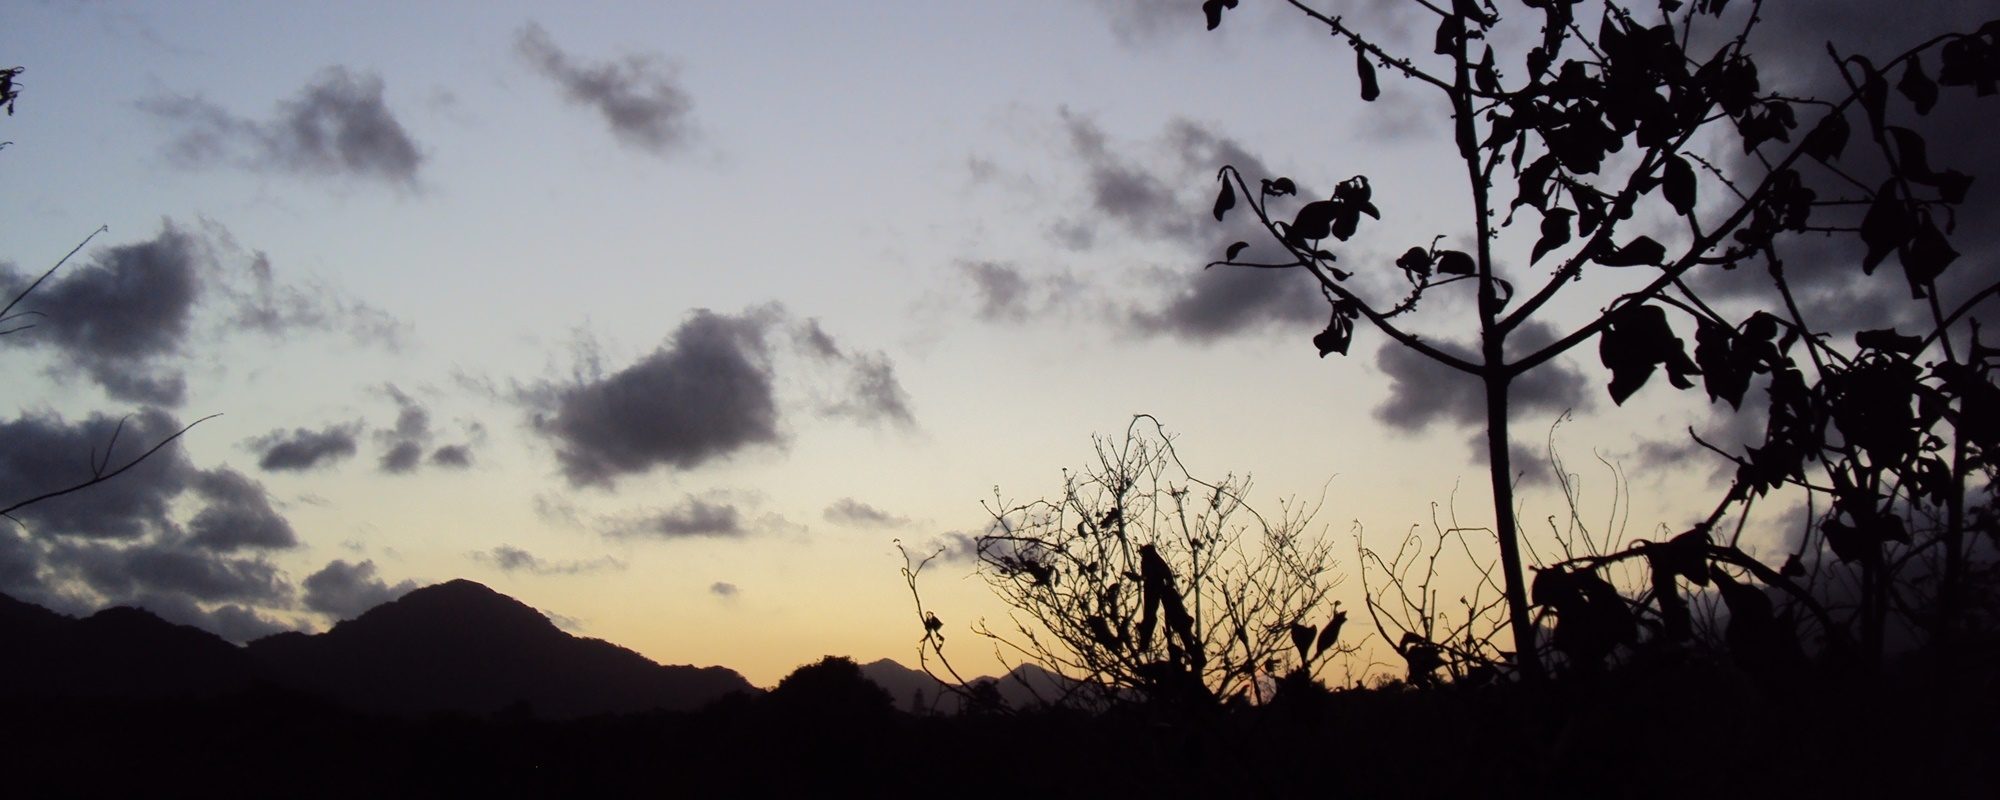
x: 1886, y: 226
x: 1369, y: 89
x: 1640, y: 252
x: 1302, y: 638
x: 1280, y: 186
x: 1677, y: 183
x: 1330, y: 634
x: 1827, y: 138
x: 1918, y: 87
x: 1455, y: 262
x: 1235, y: 249
x: 1225, y: 200
x: 1555, y: 232
x: 1213, y: 9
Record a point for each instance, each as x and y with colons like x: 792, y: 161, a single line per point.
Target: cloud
x: 849, y: 511
x: 872, y: 392
x: 723, y: 589
x: 118, y: 318
x: 343, y: 590
x: 167, y: 568
x: 275, y: 309
x: 694, y: 517
x: 452, y: 456
x: 338, y: 125
x: 508, y: 558
x: 231, y: 621
x: 406, y: 440
x: 704, y: 395
x: 1423, y: 392
x: 304, y: 449
x: 45, y: 453
x: 238, y: 515
x: 640, y: 98
x: 1160, y: 195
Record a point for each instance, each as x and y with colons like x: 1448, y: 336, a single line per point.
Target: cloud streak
x: 640, y: 98
x: 337, y: 126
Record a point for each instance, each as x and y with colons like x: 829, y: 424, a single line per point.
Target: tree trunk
x: 1501, y: 470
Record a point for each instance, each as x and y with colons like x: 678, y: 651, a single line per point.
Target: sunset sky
x: 669, y: 319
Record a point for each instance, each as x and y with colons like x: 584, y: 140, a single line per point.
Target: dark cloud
x: 45, y: 453
x: 704, y: 395
x: 508, y: 558
x: 694, y: 517
x: 402, y: 457
x: 452, y: 456
x: 230, y: 621
x: 343, y: 590
x: 304, y: 449
x: 849, y: 511
x: 640, y: 98
x: 338, y: 125
x: 1125, y: 194
x: 1165, y: 200
x: 166, y: 568
x: 1423, y: 392
x: 238, y: 515
x: 1214, y: 303
x: 407, y: 443
x: 1002, y: 291
x: 119, y: 318
x: 723, y: 589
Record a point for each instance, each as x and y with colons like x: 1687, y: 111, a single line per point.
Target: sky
x: 673, y: 319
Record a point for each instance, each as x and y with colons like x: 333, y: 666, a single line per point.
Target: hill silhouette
x: 1024, y: 687
x: 454, y: 647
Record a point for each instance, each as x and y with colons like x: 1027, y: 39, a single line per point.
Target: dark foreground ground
x: 1630, y: 735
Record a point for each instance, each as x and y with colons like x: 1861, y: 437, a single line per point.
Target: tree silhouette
x: 1143, y: 581
x: 1589, y: 137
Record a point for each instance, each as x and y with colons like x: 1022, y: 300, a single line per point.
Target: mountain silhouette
x: 117, y: 652
x: 1025, y: 686
x: 460, y: 646
x: 454, y: 647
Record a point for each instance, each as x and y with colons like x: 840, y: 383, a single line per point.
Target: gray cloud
x: 343, y: 590
x: 452, y: 456
x: 1423, y: 392
x: 231, y: 621
x: 45, y: 453
x: 338, y: 125
x: 694, y: 517
x: 165, y: 568
x: 304, y: 449
x: 274, y: 308
x: 723, y: 589
x: 704, y: 395
x: 1210, y: 304
x: 873, y: 394
x: 640, y: 97
x: 1165, y: 200
x: 119, y: 318
x: 407, y: 443
x: 508, y: 558
x: 849, y: 511
x: 238, y: 515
